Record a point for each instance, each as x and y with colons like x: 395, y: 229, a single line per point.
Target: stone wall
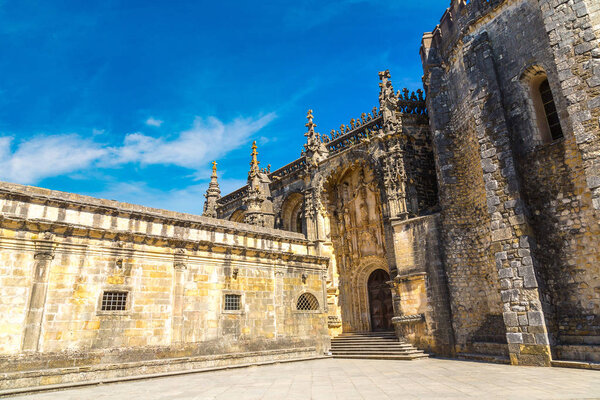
x: 420, y: 289
x: 60, y: 252
x: 530, y: 204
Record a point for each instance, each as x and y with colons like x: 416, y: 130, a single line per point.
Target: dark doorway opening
x: 380, y: 301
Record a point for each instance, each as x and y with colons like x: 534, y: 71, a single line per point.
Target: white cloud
x: 208, y: 139
x: 46, y: 156
x: 154, y: 122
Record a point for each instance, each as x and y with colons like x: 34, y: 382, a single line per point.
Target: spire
x: 259, y: 207
x: 310, y: 124
x: 314, y: 149
x: 213, y: 193
x: 254, y: 170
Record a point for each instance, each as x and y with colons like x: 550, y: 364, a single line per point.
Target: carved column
x: 394, y: 178
x: 179, y: 266
x: 39, y: 291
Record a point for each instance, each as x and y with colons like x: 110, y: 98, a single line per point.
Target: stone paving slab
x: 349, y: 379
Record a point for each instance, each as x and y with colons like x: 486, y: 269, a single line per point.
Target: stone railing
x: 233, y: 196
x: 412, y: 102
x: 354, y: 136
x: 288, y: 169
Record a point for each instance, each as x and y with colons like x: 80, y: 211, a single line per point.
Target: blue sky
x: 132, y: 100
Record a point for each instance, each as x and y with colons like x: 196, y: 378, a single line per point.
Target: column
x: 37, y: 300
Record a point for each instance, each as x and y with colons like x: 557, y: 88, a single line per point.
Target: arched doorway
x: 380, y: 301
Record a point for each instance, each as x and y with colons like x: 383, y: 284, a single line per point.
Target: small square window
x: 114, y: 301
x: 233, y: 302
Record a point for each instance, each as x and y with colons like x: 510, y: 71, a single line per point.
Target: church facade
x: 464, y: 217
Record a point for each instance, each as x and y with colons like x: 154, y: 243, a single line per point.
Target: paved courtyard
x: 355, y: 379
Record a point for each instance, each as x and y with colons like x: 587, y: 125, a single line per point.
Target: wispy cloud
x: 44, y: 156
x: 207, y: 139
x: 154, y: 122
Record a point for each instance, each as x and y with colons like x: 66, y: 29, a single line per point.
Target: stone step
x: 368, y: 342
x: 400, y: 347
x: 576, y: 364
x: 374, y: 345
x: 383, y: 356
x: 367, y: 334
x: 368, y: 351
x: 362, y: 340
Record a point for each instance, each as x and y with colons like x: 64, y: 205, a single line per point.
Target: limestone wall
x: 60, y: 251
x: 420, y: 287
x: 528, y: 207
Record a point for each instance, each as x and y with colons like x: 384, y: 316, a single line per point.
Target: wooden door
x: 380, y: 301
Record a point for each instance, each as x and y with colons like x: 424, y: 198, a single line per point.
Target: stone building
x: 479, y: 204
x: 464, y: 217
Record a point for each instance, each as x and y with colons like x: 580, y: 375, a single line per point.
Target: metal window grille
x: 114, y: 301
x: 233, y: 302
x: 550, y: 109
x: 307, y: 301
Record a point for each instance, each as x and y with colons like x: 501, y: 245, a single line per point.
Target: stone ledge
x: 9, y: 222
x: 576, y: 364
x: 57, y: 378
x: 36, y: 195
x: 405, y: 319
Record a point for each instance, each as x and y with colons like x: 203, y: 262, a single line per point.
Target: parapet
x: 454, y: 24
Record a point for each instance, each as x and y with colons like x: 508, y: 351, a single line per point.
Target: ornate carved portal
x: 357, y: 234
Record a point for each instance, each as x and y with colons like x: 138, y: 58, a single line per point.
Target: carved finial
x: 310, y: 124
x: 214, y: 168
x: 268, y: 168
x: 254, y: 161
x: 314, y: 149
x: 352, y: 121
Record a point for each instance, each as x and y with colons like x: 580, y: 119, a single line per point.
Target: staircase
x: 374, y: 345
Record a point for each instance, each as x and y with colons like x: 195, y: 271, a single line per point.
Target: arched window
x: 292, y: 216
x: 543, y: 106
x: 307, y: 302
x: 238, y: 216
x: 550, y: 110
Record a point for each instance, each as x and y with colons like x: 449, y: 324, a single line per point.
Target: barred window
x: 114, y: 301
x: 233, y: 302
x: 307, y: 302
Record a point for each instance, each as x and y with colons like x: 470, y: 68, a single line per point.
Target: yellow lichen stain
x: 80, y: 295
x: 115, y: 280
x: 92, y: 325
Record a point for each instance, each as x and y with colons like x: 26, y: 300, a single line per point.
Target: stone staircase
x: 374, y: 345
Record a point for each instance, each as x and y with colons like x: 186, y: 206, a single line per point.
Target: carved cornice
x: 66, y: 229
x: 406, y: 319
x: 51, y: 198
